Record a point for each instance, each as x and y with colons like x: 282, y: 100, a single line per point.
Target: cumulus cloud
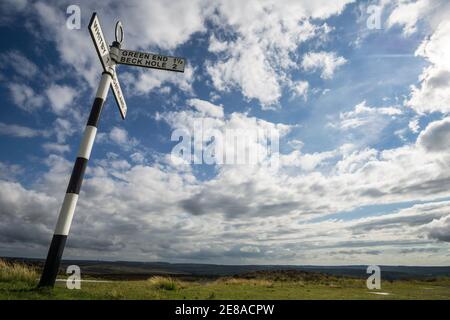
x: 9, y: 171
x: 120, y: 137
x: 407, y: 13
x: 24, y: 97
x: 138, y: 207
x: 432, y: 92
x: 439, y: 229
x: 61, y: 97
x: 414, y: 125
x: 137, y: 214
x: 325, y: 62
x: 436, y: 137
x: 363, y: 176
x: 21, y: 131
x: 159, y: 210
x: 143, y: 82
x: 142, y: 19
x: 10, y: 8
x: 300, y: 89
x: 258, y: 61
x: 19, y: 63
x: 364, y: 124
x: 363, y: 115
x: 63, y: 129
x: 259, y: 58
x: 55, y: 147
x: 206, y: 108
x: 208, y: 121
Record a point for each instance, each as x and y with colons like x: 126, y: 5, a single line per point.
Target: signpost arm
x: 58, y: 243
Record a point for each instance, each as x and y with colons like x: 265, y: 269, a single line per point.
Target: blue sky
x: 361, y: 113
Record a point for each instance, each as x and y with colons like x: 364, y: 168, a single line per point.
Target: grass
x: 18, y: 281
x: 166, y: 283
x: 17, y: 272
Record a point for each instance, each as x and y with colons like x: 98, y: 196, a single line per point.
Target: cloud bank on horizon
x: 362, y: 114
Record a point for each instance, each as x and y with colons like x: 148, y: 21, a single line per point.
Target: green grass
x: 17, y: 272
x: 17, y: 282
x: 166, y: 283
x: 248, y: 289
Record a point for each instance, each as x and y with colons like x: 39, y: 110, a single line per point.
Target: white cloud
x: 296, y: 144
x: 21, y: 64
x: 210, y: 120
x: 206, y: 108
x: 120, y: 137
x: 162, y: 211
x: 139, y: 207
x: 325, y: 62
x: 63, y: 128
x: 307, y: 162
x: 436, y: 137
x: 9, y: 171
x: 142, y: 19
x: 55, y: 147
x: 24, y: 97
x: 149, y: 80
x: 250, y: 249
x: 439, y: 229
x: 414, y: 126
x: 138, y: 157
x: 21, y: 131
x: 61, y: 97
x: 258, y: 61
x: 9, y: 9
x: 363, y: 115
x: 364, y: 176
x: 407, y: 13
x: 364, y: 124
x: 217, y: 46
x: 300, y: 89
x: 250, y: 72
x: 433, y: 94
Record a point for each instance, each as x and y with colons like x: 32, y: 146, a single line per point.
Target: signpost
x: 109, y: 57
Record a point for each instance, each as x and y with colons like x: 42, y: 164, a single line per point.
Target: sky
x: 358, y: 93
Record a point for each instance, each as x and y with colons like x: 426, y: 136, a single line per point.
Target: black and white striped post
x: 58, y: 243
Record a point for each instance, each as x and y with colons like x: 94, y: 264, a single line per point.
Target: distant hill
x: 141, y: 270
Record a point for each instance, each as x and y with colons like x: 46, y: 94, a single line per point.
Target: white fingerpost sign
x: 118, y: 95
x: 100, y: 43
x: 151, y: 60
x: 109, y: 57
